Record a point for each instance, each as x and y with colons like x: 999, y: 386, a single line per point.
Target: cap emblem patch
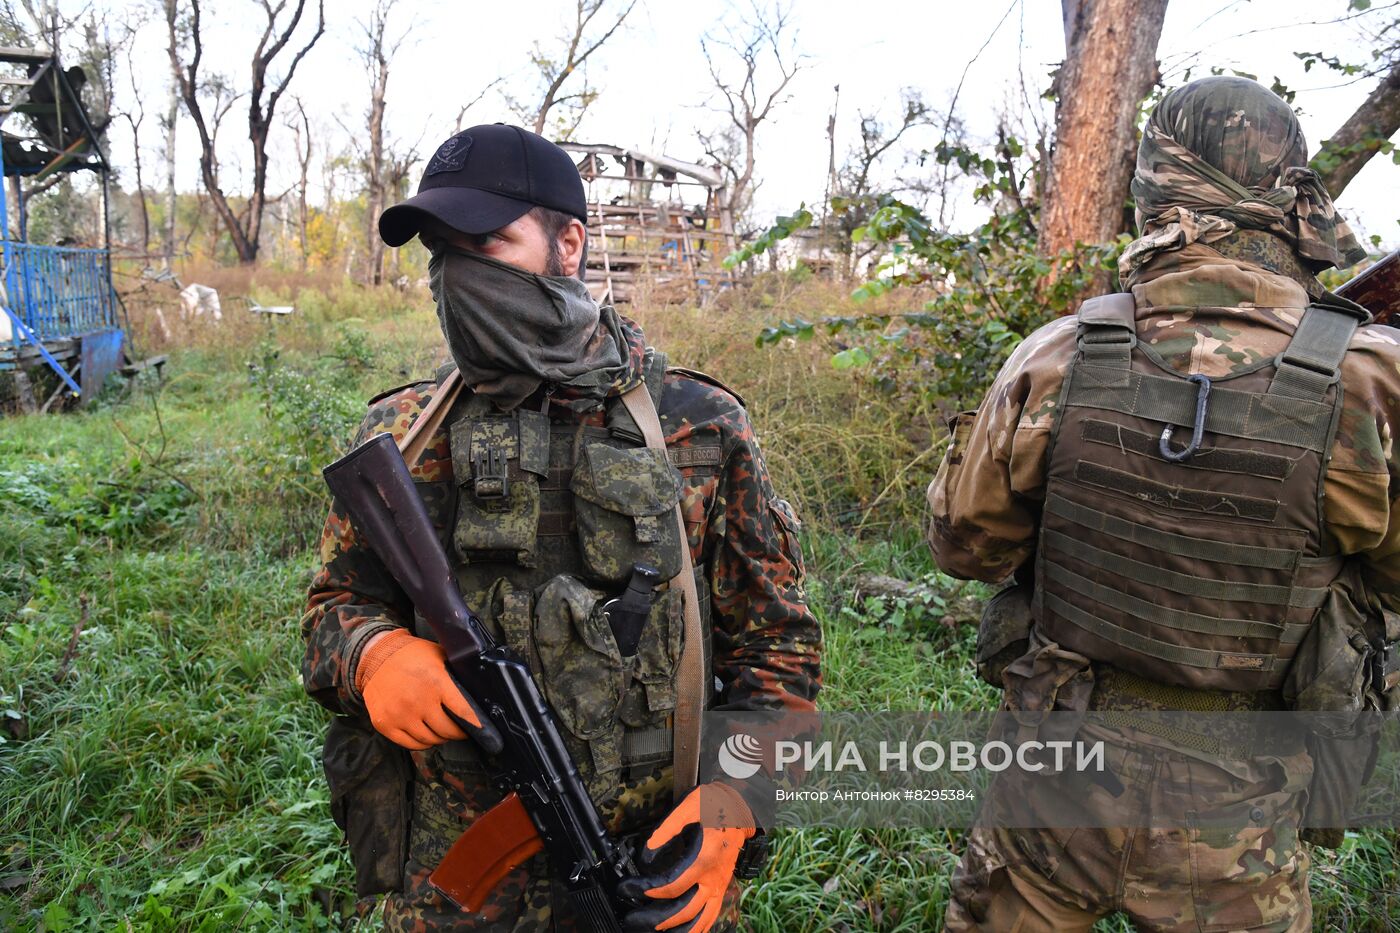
x: 450, y: 155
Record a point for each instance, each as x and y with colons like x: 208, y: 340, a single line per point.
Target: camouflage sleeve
x: 352, y: 597
x: 1363, y: 475
x: 985, y: 499
x: 767, y: 642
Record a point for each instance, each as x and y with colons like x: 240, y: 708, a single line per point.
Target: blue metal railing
x: 59, y: 291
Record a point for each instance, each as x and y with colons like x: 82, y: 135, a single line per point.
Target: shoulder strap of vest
x: 1108, y: 330
x: 691, y: 673
x: 1312, y: 361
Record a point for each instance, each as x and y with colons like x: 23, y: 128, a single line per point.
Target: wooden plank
x: 131, y: 369
x: 13, y: 53
x: 61, y: 350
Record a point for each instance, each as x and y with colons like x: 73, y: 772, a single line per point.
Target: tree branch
x: 1363, y: 134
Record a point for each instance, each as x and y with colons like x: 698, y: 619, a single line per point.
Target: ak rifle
x: 1377, y: 289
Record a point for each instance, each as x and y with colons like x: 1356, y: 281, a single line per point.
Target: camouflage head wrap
x: 1220, y: 154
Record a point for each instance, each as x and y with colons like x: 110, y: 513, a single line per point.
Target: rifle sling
x: 415, y: 440
x: 690, y: 674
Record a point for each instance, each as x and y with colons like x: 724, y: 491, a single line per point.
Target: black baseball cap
x: 484, y: 177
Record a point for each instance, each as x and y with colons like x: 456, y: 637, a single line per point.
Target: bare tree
x: 854, y: 188
x: 134, y: 121
x: 302, y: 136
x: 244, y: 225
x: 377, y: 52
x: 169, y: 120
x: 556, y: 66
x: 761, y: 36
x: 462, y: 111
x: 1110, y: 66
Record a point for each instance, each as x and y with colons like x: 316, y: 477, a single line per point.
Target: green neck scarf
x: 511, y: 332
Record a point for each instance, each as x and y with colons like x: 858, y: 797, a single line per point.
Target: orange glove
x: 689, y: 860
x: 412, y: 699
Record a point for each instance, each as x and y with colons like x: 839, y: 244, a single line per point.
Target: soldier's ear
x: 572, y: 242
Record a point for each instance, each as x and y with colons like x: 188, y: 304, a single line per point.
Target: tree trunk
x: 1110, y: 66
x: 140, y: 182
x: 1362, y: 136
x: 172, y: 115
x: 374, y: 172
x: 243, y: 230
x: 303, y: 163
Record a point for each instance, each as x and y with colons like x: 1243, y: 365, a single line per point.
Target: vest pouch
x: 1331, y: 671
x: 1003, y: 634
x: 498, y: 460
x: 369, y: 779
x: 652, y: 694
x: 624, y: 505
x: 582, y: 672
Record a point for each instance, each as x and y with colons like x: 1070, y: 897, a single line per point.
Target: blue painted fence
x: 59, y: 291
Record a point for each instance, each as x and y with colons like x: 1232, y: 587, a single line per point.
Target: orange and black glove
x: 412, y: 699
x: 688, y: 862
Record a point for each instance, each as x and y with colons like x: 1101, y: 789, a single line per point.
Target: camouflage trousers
x: 1219, y: 850
x: 524, y: 901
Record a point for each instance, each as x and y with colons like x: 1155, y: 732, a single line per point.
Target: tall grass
x: 160, y: 763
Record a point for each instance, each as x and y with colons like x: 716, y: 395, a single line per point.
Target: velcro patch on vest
x: 1242, y: 662
x: 1175, y: 497
x: 1222, y: 459
x: 695, y: 456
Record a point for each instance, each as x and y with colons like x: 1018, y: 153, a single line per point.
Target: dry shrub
x: 851, y: 455
x: 323, y: 300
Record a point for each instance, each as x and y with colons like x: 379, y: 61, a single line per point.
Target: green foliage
x: 1331, y: 61
x: 311, y: 406
x: 126, y: 501
x: 1329, y: 157
x: 784, y: 228
x: 917, y: 611
x: 158, y: 766
x: 989, y: 288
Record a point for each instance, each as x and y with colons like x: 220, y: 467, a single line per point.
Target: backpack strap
x: 1108, y: 330
x: 691, y: 675
x: 1312, y: 361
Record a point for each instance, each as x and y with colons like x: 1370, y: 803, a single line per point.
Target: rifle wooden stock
x: 1377, y: 289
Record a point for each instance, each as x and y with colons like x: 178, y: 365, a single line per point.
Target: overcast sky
x: 655, y: 88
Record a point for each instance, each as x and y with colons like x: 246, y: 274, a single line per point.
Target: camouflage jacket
x: 767, y: 643
x: 1204, y: 313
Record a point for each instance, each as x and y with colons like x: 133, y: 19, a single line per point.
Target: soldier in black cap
x: 548, y: 496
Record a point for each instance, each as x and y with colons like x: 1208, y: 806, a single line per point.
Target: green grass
x: 164, y: 773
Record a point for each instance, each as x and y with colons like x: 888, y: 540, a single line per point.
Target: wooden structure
x: 59, y: 308
x: 655, y: 224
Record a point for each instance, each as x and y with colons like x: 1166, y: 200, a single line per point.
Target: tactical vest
x: 550, y: 516
x: 1182, y: 534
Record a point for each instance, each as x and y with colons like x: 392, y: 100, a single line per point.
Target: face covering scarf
x: 511, y: 332
x: 1224, y: 153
